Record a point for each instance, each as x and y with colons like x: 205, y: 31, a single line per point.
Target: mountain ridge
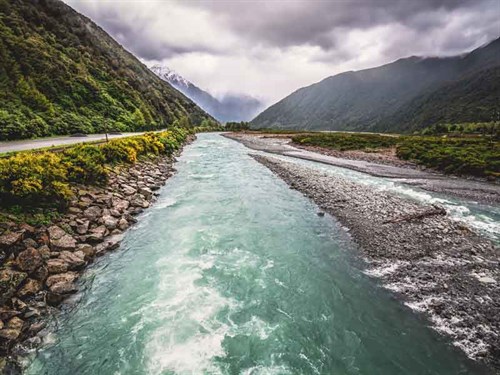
x: 367, y: 99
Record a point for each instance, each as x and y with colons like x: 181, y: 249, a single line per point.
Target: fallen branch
x: 434, y: 211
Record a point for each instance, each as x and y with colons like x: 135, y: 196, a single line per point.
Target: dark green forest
x: 61, y: 74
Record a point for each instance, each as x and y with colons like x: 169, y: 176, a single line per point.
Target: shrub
x: 85, y: 164
x: 33, y: 178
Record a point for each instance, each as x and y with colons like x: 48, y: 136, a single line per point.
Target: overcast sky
x: 268, y: 48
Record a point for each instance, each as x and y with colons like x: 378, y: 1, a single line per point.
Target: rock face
x: 40, y: 266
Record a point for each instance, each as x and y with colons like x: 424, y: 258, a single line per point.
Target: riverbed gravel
x: 438, y: 267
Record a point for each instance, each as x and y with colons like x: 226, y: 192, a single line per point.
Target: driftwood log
x: 435, y: 210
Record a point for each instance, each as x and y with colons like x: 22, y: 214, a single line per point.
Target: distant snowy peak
x: 232, y: 107
x: 170, y: 75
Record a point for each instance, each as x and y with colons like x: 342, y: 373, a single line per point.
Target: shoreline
x: 42, y: 264
x: 426, y: 179
x: 436, y: 266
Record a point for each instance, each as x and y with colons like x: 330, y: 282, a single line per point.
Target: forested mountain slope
x: 60, y: 73
x: 405, y: 95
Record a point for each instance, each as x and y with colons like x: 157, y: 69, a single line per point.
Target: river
x: 232, y: 272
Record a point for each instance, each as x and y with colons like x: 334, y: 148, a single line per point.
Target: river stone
x: 10, y: 239
x: 120, y: 204
x: 67, y: 277
x: 83, y: 227
x: 128, y: 190
x: 139, y: 202
x: 63, y: 287
x: 123, y: 224
x: 9, y: 283
x: 29, y: 260
x: 114, y: 212
x: 57, y: 266
x: 146, y: 192
x: 92, y: 213
x: 66, y: 242
x: 55, y: 232
x: 87, y: 250
x: 97, y: 234
x: 6, y: 313
x: 31, y: 287
x: 110, y: 222
x: 73, y: 260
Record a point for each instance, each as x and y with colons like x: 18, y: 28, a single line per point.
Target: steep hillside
x: 230, y: 108
x: 380, y: 98
x: 60, y: 73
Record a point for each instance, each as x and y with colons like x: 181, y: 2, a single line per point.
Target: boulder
x: 6, y: 313
x: 97, y: 234
x: 123, y: 224
x: 146, y: 192
x: 29, y: 260
x: 93, y: 213
x: 87, y: 250
x: 73, y: 260
x: 67, y: 277
x: 128, y: 190
x: 10, y: 239
x: 110, y: 222
x: 140, y: 202
x: 83, y: 227
x: 60, y: 240
x: 63, y: 287
x: 10, y: 281
x: 120, y: 204
x: 30, y: 288
x: 57, y: 266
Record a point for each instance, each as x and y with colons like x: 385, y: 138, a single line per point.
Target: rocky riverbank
x: 437, y: 266
x: 40, y: 265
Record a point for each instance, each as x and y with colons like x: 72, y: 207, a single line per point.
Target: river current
x: 232, y: 272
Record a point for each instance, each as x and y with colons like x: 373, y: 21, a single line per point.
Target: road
x: 33, y: 144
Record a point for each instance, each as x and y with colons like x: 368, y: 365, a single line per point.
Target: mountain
x: 232, y: 107
x: 405, y: 95
x: 60, y: 73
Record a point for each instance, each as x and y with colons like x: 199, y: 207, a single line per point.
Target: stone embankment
x: 40, y: 266
x: 436, y: 265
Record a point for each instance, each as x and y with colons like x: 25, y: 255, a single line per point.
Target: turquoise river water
x: 232, y: 272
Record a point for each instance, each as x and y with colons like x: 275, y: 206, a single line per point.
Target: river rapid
x: 232, y: 272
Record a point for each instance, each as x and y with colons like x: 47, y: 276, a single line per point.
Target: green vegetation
x: 346, y: 141
x: 469, y: 128
x: 45, y: 178
x: 237, y: 126
x: 62, y: 74
x: 476, y: 156
x: 464, y: 156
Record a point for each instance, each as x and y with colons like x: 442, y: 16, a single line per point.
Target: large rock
x: 67, y: 277
x: 87, y: 250
x: 13, y: 329
x: 57, y: 266
x: 30, y: 288
x: 123, y: 224
x: 10, y: 281
x: 60, y: 240
x: 10, y: 239
x: 140, y: 202
x: 146, y: 192
x: 110, y: 222
x: 120, y: 204
x: 29, y: 260
x: 128, y: 190
x: 73, y: 260
x: 97, y: 234
x: 83, y: 227
x: 92, y: 213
